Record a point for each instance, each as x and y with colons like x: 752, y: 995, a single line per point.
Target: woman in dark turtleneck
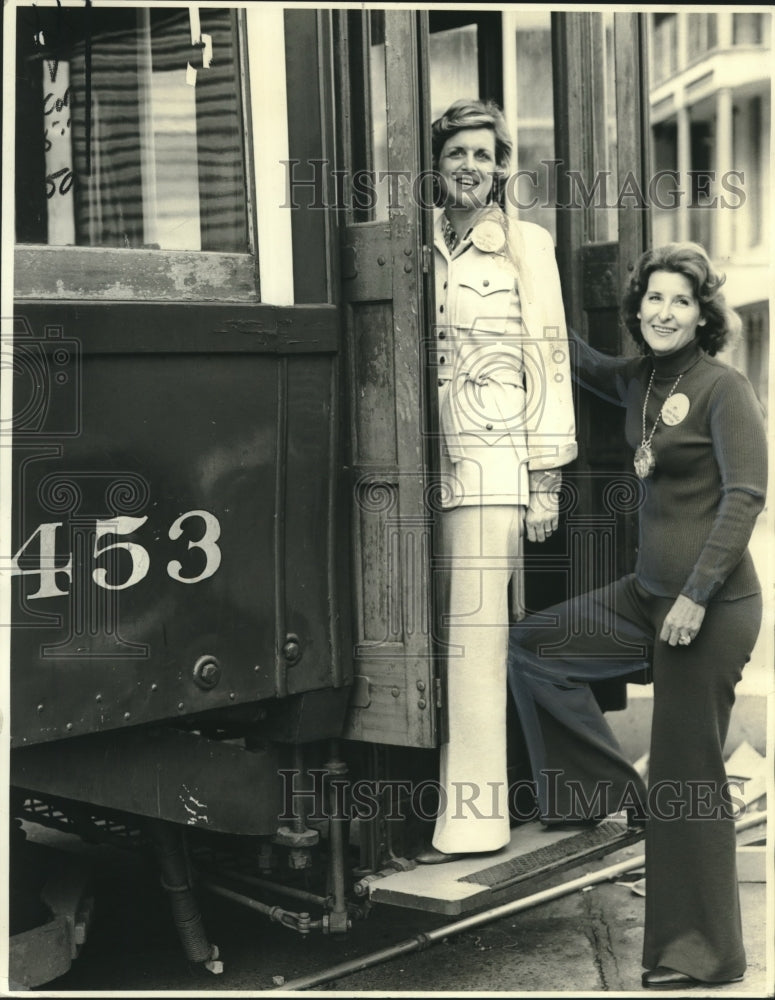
x: 691, y: 610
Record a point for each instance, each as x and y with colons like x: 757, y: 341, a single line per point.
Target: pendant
x: 644, y: 461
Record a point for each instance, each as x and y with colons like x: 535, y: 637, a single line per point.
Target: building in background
x: 710, y: 120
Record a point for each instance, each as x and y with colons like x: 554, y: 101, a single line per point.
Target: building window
x: 125, y: 138
x: 747, y: 29
x: 701, y: 34
x: 701, y: 196
x: 665, y: 47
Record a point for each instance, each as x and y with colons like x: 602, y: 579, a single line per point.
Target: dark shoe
x: 663, y: 978
x: 430, y: 856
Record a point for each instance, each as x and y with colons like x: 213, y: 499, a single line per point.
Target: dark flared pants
x: 692, y: 919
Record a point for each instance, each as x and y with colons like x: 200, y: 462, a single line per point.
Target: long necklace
x: 644, y: 460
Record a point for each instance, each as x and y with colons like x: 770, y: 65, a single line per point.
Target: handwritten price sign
x: 59, y: 152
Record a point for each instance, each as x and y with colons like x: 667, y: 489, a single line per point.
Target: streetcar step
x: 478, y: 881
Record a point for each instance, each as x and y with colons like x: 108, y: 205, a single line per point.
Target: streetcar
x: 222, y: 589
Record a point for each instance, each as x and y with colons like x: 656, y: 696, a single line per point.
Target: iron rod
x: 467, y: 923
x: 283, y: 890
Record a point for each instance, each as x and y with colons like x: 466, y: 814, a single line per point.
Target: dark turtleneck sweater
x: 702, y: 499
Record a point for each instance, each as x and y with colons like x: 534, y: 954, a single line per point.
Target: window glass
x: 128, y: 134
x: 700, y: 33
x: 368, y: 115
x: 454, y: 59
x: 664, y: 51
x: 535, y: 118
x: 747, y: 29
x: 379, y: 113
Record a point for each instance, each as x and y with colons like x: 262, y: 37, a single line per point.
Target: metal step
x: 478, y: 881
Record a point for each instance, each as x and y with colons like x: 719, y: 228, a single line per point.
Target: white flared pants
x: 482, y: 548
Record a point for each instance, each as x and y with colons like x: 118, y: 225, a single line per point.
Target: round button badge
x: 488, y: 236
x: 675, y: 409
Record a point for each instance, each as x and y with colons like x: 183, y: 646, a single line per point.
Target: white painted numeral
x: 47, y: 569
x: 207, y: 543
x: 140, y: 560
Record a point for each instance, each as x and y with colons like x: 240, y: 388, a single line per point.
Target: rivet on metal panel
x: 98, y: 697
x: 180, y: 706
x: 154, y: 687
x: 420, y: 685
x: 232, y: 695
x: 408, y: 251
x: 381, y: 261
x: 207, y: 672
x: 69, y: 726
x: 395, y: 692
x: 408, y: 267
x: 40, y: 708
x: 127, y: 715
x: 292, y: 648
x: 421, y: 703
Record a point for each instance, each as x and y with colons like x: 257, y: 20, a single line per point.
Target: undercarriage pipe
x: 170, y: 854
x: 338, y: 919
x: 300, y: 922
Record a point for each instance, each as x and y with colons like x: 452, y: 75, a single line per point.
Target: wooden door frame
x: 384, y: 295
x: 576, y: 54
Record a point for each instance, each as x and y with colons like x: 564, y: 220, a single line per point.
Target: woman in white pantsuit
x: 507, y: 423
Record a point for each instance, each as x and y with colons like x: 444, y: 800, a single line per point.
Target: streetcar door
x: 603, y: 225
x: 379, y: 65
x: 572, y: 88
x: 571, y: 85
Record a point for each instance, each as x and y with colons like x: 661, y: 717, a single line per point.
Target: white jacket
x: 505, y: 399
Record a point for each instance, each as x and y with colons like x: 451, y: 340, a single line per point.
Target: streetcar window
x: 378, y: 115
x: 532, y: 47
x: 368, y: 117
x: 128, y: 134
x: 454, y: 62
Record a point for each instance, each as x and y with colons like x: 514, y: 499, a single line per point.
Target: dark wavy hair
x: 690, y: 260
x: 473, y: 113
